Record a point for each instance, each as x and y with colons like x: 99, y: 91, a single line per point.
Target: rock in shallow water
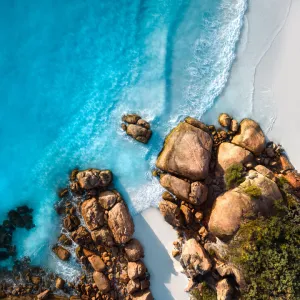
x: 94, y: 178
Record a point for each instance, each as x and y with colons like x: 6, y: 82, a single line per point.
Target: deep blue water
x: 70, y: 69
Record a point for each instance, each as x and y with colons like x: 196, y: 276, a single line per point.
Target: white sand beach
x: 262, y: 84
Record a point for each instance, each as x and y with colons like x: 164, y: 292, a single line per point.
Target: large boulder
x: 101, y: 281
x: 186, y: 152
x: 171, y: 213
x: 134, y: 250
x: 176, y: 186
x: 92, y: 213
x: 231, y: 208
x: 229, y: 154
x: 94, y: 178
x: 120, y: 223
x: 250, y: 136
x: 194, y: 259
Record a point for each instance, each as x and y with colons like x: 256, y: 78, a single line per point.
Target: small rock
x: 124, y: 126
x: 96, y: 262
x: 136, y: 269
x: 43, y: 295
x: 59, y: 283
x: 175, y: 253
x: 198, y: 216
x: 71, y: 222
x: 107, y: 199
x: 103, y: 237
x: 167, y: 196
x: 171, y: 213
x: 225, y: 120
x: 133, y: 286
x: 82, y: 236
x: 143, y: 295
x: 198, y: 194
x: 134, y: 250
x: 143, y: 123
x: 64, y: 240
x: 131, y: 118
x: 234, y: 126
x: 194, y: 259
x: 270, y: 152
x: 187, y: 214
x: 139, y: 133
x: 224, y: 290
x: 102, y: 282
x: 61, y: 252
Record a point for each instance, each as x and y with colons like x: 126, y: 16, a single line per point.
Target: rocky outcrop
x: 94, y: 178
x: 134, y: 250
x: 171, y: 213
x: 231, y: 208
x: 92, y: 213
x: 137, y: 128
x: 186, y: 152
x: 250, y: 137
x: 229, y: 154
x: 120, y: 223
x: 194, y: 259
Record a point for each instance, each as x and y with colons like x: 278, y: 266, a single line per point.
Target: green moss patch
x: 234, y: 176
x: 268, y: 252
x: 253, y: 191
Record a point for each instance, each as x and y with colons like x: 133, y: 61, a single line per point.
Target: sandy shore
x: 263, y: 79
x: 262, y: 84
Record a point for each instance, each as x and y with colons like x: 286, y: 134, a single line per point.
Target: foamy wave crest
x: 214, y: 53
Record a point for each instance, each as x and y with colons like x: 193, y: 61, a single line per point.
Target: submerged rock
x: 120, y: 223
x: 186, y: 152
x: 250, y: 136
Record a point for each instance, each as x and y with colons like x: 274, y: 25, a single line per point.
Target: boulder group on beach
x: 216, y: 180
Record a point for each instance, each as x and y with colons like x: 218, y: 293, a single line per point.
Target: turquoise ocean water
x: 70, y: 69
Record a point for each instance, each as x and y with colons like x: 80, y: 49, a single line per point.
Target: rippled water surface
x: 70, y: 69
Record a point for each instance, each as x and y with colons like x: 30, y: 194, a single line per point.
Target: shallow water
x: 69, y: 70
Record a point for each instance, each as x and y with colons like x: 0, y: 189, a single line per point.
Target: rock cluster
x: 191, y: 166
x: 136, y: 127
x: 97, y: 220
x: 21, y: 217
